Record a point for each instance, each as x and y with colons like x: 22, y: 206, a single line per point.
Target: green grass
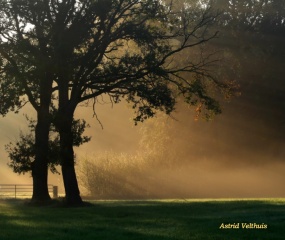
x: 161, y: 220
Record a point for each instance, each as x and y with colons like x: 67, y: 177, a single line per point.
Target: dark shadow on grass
x: 119, y: 220
x: 58, y: 202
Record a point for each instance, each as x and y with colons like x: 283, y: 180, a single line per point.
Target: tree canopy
x: 58, y: 54
x: 123, y: 48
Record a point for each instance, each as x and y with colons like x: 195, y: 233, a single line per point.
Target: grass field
x: 161, y: 220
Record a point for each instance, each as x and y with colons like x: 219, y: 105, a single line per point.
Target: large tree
x: 63, y: 53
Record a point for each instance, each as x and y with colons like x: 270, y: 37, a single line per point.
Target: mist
x: 238, y: 154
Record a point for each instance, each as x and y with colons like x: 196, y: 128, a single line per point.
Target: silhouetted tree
x: 22, y: 152
x: 80, y: 50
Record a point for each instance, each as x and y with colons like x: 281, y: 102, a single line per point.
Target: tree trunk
x: 40, y: 165
x: 72, y: 194
x: 67, y: 160
x: 63, y: 122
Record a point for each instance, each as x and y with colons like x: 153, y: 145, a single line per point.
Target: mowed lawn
x: 161, y: 220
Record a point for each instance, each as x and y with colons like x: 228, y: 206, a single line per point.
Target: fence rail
x: 23, y: 190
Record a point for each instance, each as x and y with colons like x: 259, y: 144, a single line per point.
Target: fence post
x: 15, y: 191
x: 55, y: 191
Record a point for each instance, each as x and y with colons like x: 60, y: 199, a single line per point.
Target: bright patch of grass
x: 161, y: 220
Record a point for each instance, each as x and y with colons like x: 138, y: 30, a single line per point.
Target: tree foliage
x: 22, y: 151
x: 122, y: 48
x: 58, y: 54
x: 263, y: 16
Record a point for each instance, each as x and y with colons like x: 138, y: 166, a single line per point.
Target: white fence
x: 23, y: 190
